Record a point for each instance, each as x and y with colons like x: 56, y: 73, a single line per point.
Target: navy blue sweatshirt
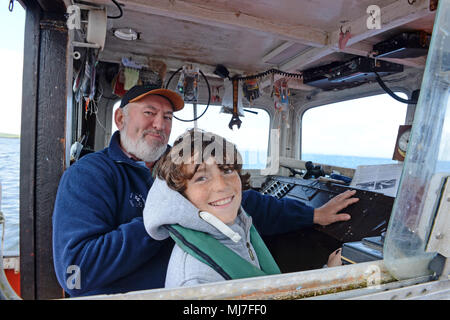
x: 100, y: 245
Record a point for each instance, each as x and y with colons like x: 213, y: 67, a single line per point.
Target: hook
x: 348, y: 30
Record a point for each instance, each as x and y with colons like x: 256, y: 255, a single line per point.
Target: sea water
x: 9, y: 202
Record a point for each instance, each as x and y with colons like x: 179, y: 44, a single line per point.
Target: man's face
x: 145, y: 127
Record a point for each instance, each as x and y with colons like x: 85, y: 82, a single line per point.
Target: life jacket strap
x: 225, y: 261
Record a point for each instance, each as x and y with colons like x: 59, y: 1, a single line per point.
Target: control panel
x: 277, y: 188
x: 370, y: 215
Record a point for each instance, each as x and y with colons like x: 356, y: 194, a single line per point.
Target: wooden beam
x: 298, y: 62
x: 392, y: 16
x: 50, y: 149
x: 28, y: 150
x: 204, y: 14
x: 276, y: 51
x: 42, y: 147
x: 171, y: 63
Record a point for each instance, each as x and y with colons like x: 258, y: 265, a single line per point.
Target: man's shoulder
x: 93, y: 162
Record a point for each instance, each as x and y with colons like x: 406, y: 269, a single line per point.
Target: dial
x: 403, y: 142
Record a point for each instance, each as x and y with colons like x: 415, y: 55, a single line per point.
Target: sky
x: 12, y: 26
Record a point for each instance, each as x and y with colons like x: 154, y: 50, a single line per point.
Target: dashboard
x: 309, y: 249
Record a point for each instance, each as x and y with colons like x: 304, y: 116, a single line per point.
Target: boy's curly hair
x: 195, y: 146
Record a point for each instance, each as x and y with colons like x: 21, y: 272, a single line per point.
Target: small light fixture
x: 126, y: 34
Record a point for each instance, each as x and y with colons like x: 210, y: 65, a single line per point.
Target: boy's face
x: 215, y: 190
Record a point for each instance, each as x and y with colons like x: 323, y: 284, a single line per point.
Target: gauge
x: 404, y: 133
x: 403, y: 142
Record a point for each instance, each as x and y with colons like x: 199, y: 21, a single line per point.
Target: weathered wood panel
x: 42, y: 147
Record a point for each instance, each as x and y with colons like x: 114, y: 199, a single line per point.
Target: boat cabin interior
x: 249, y: 70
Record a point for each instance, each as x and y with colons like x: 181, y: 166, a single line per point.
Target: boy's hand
x: 334, y: 259
x: 327, y: 214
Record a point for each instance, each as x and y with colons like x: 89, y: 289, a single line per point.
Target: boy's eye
x: 228, y: 170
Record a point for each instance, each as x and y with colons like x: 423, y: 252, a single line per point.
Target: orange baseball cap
x: 138, y: 92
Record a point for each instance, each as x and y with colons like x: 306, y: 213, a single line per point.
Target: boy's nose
x: 219, y: 183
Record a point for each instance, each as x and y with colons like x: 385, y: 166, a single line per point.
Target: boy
x: 196, y: 199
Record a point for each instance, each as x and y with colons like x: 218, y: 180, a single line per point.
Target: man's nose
x: 158, y: 122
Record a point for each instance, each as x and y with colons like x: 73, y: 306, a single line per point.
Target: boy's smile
x: 222, y: 202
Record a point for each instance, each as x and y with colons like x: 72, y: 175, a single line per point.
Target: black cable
x: 392, y: 94
x: 120, y: 9
x: 173, y: 74
x: 209, y: 95
x: 251, y: 111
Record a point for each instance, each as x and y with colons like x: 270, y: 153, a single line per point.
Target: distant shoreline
x: 9, y: 135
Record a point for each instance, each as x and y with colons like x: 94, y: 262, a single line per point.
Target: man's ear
x: 119, y: 118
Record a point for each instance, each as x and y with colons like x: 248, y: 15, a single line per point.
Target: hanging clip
x: 343, y: 38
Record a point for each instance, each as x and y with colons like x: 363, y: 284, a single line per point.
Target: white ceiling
x: 256, y: 35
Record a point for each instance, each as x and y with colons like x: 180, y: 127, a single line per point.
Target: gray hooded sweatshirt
x: 166, y: 207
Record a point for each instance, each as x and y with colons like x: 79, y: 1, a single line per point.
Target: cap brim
x: 175, y: 98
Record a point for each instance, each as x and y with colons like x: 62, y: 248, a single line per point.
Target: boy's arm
x: 274, y: 216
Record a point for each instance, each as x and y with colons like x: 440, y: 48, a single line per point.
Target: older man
x: 99, y: 240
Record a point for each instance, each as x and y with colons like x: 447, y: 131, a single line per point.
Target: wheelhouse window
x: 253, y: 151
x: 351, y: 133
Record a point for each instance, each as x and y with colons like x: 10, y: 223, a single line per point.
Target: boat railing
x: 6, y: 291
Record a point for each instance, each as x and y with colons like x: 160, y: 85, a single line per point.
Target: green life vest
x: 225, y: 261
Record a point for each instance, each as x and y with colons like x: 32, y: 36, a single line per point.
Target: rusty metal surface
x: 296, y: 285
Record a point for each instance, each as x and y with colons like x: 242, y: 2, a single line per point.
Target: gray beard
x: 141, y: 149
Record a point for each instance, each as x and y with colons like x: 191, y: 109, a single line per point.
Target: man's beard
x: 140, y: 148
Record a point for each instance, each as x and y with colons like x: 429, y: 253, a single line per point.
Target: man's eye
x: 200, y: 179
x: 168, y: 118
x: 148, y: 113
